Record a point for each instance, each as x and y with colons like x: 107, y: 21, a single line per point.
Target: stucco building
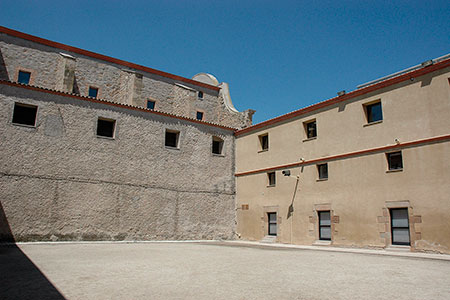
x: 369, y: 168
x: 96, y: 148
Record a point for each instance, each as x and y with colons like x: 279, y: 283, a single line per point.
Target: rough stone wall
x: 115, y: 82
x: 59, y: 181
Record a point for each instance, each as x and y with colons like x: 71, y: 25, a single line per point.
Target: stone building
x: 369, y: 168
x: 95, y: 148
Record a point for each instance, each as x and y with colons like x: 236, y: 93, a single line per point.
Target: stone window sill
x: 310, y: 139
x: 373, y: 123
x: 394, y: 171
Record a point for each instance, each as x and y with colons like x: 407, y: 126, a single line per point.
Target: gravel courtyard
x: 212, y: 271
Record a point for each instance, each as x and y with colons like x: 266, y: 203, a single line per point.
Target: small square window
x: 151, y: 104
x: 172, y: 138
x: 199, y: 115
x: 217, y: 145
x: 322, y: 169
x: 106, y: 127
x: 24, y: 114
x: 374, y: 112
x: 271, y: 178
x: 93, y: 92
x: 200, y: 95
x: 395, y: 161
x: 310, y: 129
x: 24, y: 77
x: 264, y: 142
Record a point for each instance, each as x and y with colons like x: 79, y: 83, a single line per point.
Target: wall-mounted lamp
x: 341, y: 93
x: 286, y: 172
x: 397, y: 141
x: 427, y: 63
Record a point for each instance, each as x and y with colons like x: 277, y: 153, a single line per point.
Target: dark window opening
x: 105, y: 127
x: 217, y: 145
x: 271, y: 178
x: 311, y: 129
x: 93, y: 92
x: 395, y: 161
x: 324, y: 225
x: 323, y: 171
x: 199, y: 115
x: 24, y: 77
x: 151, y: 104
x: 374, y: 112
x: 172, y: 138
x: 400, y: 226
x: 24, y: 114
x: 200, y: 94
x: 264, y: 142
x: 272, y: 218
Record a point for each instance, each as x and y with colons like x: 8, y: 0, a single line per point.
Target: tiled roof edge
x: 358, y: 92
x: 126, y: 106
x: 61, y: 46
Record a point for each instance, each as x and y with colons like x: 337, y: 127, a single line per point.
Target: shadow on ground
x: 20, y: 278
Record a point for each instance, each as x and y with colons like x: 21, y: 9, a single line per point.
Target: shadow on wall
x: 3, y: 70
x: 20, y: 278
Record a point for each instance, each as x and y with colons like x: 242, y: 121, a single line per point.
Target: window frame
x: 177, y: 138
x: 324, y: 226
x: 271, y: 179
x: 320, y: 175
x: 22, y: 71
x: 390, y: 167
x: 109, y: 120
x: 202, y: 115
x: 391, y: 215
x: 221, y: 143
x: 263, y: 146
x: 368, y: 112
x: 273, y: 222
x: 151, y: 101
x: 306, y: 128
x: 91, y: 87
x: 24, y: 105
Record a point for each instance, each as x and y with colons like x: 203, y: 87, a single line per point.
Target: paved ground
x: 213, y: 271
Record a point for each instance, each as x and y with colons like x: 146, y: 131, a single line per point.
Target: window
x: 373, y: 112
x: 93, y: 92
x: 106, y: 127
x: 324, y: 225
x: 217, y: 145
x: 264, y: 142
x: 311, y: 129
x: 272, y: 218
x: 399, y: 226
x: 271, y: 178
x: 151, y: 104
x: 322, y: 170
x: 395, y: 161
x: 24, y: 77
x: 24, y: 114
x: 200, y: 95
x: 172, y: 138
x: 199, y: 115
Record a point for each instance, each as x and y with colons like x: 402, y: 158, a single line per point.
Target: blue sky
x: 277, y: 56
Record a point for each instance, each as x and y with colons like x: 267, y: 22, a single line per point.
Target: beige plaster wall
x: 359, y: 190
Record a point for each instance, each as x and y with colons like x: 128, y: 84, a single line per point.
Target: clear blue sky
x: 277, y: 56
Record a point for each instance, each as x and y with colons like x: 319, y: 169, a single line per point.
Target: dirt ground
x: 212, y: 271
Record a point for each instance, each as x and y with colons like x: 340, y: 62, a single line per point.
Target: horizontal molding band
x: 125, y: 106
x: 437, y: 139
x: 87, y: 53
x: 350, y: 95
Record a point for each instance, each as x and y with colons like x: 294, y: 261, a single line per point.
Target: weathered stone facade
x: 72, y: 70
x: 60, y: 181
